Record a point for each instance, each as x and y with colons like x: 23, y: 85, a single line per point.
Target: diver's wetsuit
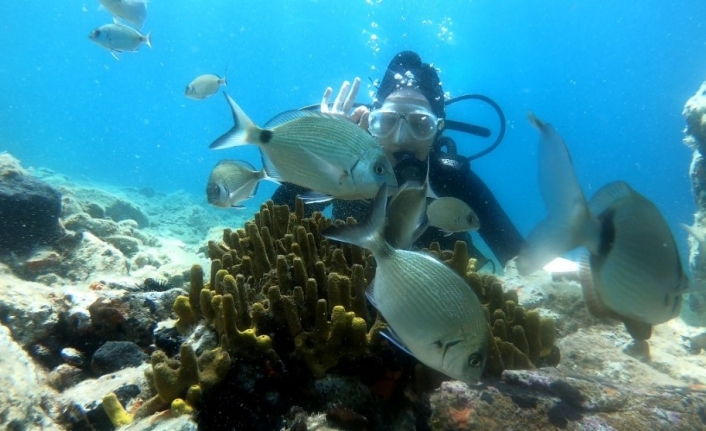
x: 449, y: 175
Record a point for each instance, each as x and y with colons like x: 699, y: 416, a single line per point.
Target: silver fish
x: 432, y: 313
x: 452, y: 215
x: 327, y: 153
x: 204, y: 86
x: 406, y: 213
x: 232, y: 182
x: 132, y: 11
x: 118, y: 38
x: 633, y: 271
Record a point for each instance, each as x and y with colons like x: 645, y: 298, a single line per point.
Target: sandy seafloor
x: 179, y: 226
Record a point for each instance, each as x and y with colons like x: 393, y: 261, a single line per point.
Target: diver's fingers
x: 357, y: 113
x: 363, y: 123
x: 350, y: 98
x: 338, y: 103
x: 324, y: 100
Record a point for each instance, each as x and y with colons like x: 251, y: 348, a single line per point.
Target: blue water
x: 611, y: 76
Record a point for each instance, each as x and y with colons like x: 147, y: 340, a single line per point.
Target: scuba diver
x: 408, y: 118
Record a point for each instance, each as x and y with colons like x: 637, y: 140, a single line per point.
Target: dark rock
x: 116, y: 355
x: 550, y: 399
x: 123, y: 210
x: 29, y: 213
x: 126, y: 244
x: 169, y: 340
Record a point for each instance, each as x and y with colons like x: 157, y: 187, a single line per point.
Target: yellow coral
x: 115, y: 411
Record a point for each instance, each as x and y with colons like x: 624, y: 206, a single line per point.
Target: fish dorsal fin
x: 392, y: 337
x: 288, y: 116
x: 608, y: 195
x: 369, y: 234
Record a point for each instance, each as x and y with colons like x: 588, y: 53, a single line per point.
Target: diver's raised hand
x: 344, y: 103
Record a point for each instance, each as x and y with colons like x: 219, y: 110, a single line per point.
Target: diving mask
x: 422, y: 125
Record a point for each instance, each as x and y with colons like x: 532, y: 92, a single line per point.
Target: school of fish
x: 631, y: 269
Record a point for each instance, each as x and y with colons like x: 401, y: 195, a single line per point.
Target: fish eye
x: 475, y: 360
x: 97, y: 33
x: 379, y: 169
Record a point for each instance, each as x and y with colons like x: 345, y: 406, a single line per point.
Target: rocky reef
x: 266, y: 326
x: 694, y: 113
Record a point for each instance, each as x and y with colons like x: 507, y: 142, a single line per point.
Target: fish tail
x: 569, y: 223
x: 369, y: 234
x: 244, y: 131
x: 148, y: 39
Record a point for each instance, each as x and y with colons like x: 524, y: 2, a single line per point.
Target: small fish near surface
x: 633, y: 271
x: 451, y: 215
x: 132, y: 11
x: 204, y: 86
x: 431, y: 311
x: 118, y: 38
x: 232, y: 182
x: 323, y: 152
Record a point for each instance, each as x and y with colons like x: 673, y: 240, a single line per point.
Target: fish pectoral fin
x: 334, y: 172
x: 392, y: 337
x: 115, y: 54
x: 239, y: 207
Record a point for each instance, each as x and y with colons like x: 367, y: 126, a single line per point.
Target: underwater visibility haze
x: 130, y: 108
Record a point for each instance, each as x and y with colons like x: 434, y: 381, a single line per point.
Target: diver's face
x: 404, y: 122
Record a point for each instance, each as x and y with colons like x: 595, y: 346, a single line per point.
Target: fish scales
x: 437, y: 302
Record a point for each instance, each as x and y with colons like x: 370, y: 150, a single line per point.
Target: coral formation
x: 280, y: 292
x: 521, y: 339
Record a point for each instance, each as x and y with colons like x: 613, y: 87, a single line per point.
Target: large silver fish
x: 451, y: 215
x: 431, y: 311
x: 232, y: 182
x: 132, y: 11
x: 327, y: 153
x: 633, y: 271
x: 118, y: 38
x: 204, y: 86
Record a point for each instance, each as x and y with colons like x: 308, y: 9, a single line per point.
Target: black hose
x: 501, y: 116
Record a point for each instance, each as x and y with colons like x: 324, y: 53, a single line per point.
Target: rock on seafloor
x: 29, y: 209
x: 23, y: 397
x: 548, y: 399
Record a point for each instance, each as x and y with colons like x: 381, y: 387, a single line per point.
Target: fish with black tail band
x: 232, y: 182
x: 431, y: 311
x: 323, y: 152
x: 204, y: 86
x: 632, y: 271
x: 451, y: 215
x: 118, y: 38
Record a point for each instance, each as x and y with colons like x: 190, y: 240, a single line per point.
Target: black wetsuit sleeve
x: 452, y: 176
